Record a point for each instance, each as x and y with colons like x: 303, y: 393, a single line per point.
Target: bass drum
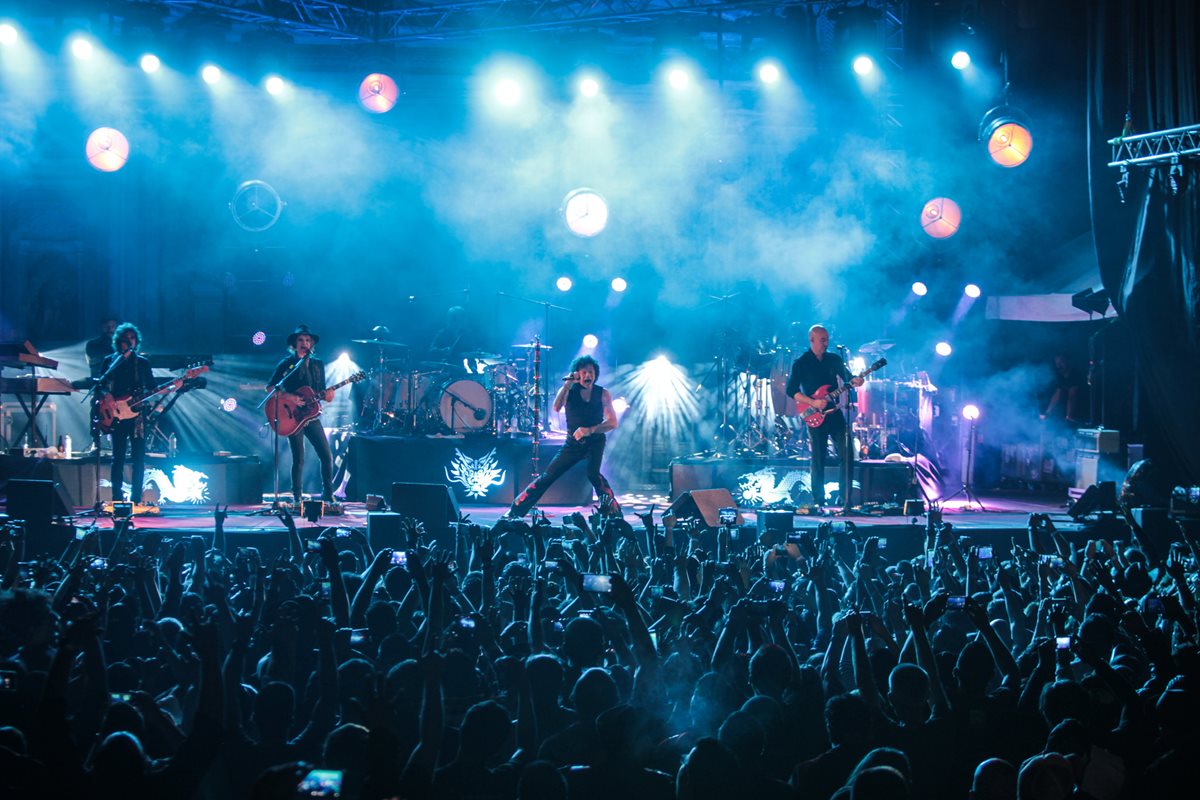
x: 464, y: 406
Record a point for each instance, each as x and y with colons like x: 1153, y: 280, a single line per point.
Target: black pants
x: 128, y: 431
x: 834, y: 427
x: 315, y: 434
x: 592, y: 449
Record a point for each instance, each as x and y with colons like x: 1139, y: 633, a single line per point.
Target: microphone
x: 568, y: 377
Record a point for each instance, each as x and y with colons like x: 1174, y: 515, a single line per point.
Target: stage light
x: 863, y: 66
x: 107, y: 149
x: 620, y: 405
x: 275, y: 85
x: 943, y: 349
x: 1093, y: 301
x: 259, y: 338
x: 343, y: 358
x: 960, y: 60
x: 378, y: 93
x: 1006, y: 132
x: 663, y: 395
x: 211, y: 74
x: 589, y: 87
x: 919, y: 289
x: 768, y: 73
x: 590, y: 341
x: 8, y: 34
x: 150, y: 63
x: 972, y: 291
x: 679, y: 79
x: 970, y: 411
x: 81, y: 48
x: 619, y: 284
x: 564, y: 283
x: 507, y: 92
x: 941, y: 217
x: 229, y: 404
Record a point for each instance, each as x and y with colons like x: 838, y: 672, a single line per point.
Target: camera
x: 1053, y: 561
x: 399, y: 558
x: 321, y: 783
x: 597, y: 583
x: 325, y: 589
x: 777, y: 586
x: 342, y: 533
x: 956, y: 601
x: 727, y: 516
x: 1062, y: 642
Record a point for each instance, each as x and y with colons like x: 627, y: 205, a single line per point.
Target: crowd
x: 597, y: 659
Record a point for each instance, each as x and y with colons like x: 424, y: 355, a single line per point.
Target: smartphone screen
x: 399, y: 558
x: 727, y: 516
x: 313, y: 546
x: 325, y: 589
x: 80, y: 534
x: 550, y: 565
x: 956, y: 601
x: 120, y: 697
x: 881, y: 543
x: 99, y: 562
x: 985, y: 552
x: 342, y: 533
x: 654, y: 639
x: 321, y: 783
x: 794, y: 537
x: 8, y: 680
x: 1063, y: 642
x: 597, y: 583
x: 466, y: 623
x: 778, y: 586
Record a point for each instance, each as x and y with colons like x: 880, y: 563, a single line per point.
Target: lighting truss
x: 1161, y: 147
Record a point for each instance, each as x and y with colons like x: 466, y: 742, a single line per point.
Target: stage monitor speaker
x: 36, y: 501
x: 433, y: 504
x: 705, y: 504
x: 384, y: 530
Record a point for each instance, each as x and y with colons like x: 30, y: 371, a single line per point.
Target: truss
x: 1161, y: 147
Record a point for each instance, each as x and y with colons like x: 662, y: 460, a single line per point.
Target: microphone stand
x: 275, y: 390
x: 97, y: 434
x: 546, y: 307
x: 847, y: 440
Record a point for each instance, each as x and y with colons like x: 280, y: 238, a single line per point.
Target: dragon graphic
x: 188, y: 485
x: 478, y: 475
x: 761, y: 487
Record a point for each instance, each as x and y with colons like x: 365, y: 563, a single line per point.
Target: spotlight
x: 768, y: 73
x: 943, y: 349
x: 211, y: 74
x: 229, y: 404
x: 589, y: 87
x: 941, y: 217
x: 1005, y: 130
x: 1092, y: 301
x: 107, y: 149
x: 8, y: 34
x: 150, y: 63
x: 275, y: 85
x: 863, y: 66
x: 620, y: 405
x: 81, y: 48
x: 619, y: 284
x: 970, y: 411
x: 919, y: 289
x: 343, y: 358
x: 259, y: 338
x: 508, y: 92
x: 972, y: 291
x: 679, y: 79
x: 590, y: 341
x: 960, y: 60
x: 377, y: 93
x: 564, y: 284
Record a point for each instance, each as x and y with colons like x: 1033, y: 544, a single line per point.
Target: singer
x: 815, y: 369
x: 128, y: 374
x: 590, y: 415
x: 302, y: 343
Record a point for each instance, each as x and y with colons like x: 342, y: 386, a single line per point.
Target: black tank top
x: 584, y: 413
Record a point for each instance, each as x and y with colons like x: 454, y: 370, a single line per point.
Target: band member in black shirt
x: 100, y: 349
x: 130, y: 376
x: 590, y: 415
x: 811, y: 371
x: 311, y: 373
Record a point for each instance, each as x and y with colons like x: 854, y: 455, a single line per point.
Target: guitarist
x: 302, y: 343
x: 815, y: 369
x: 129, y: 374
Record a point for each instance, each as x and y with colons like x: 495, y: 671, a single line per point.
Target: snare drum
x: 413, y: 390
x: 464, y: 405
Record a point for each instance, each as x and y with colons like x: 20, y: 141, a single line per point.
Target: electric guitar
x: 814, y: 417
x: 109, y: 408
x: 287, y: 412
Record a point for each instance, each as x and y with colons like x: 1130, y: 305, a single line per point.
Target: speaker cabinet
x: 704, y: 504
x: 384, y: 530
x: 37, y: 503
x: 433, y: 504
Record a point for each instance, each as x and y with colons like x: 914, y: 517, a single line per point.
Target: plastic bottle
x: 66, y: 446
x: 171, y: 447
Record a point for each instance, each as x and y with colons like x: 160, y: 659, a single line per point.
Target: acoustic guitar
x: 288, y: 412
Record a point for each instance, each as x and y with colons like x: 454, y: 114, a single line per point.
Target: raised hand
x: 220, y: 516
x: 285, y: 517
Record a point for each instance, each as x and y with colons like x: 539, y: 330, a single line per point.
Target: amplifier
x: 1098, y: 440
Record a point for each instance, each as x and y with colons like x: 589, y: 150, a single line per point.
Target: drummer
x: 453, y: 340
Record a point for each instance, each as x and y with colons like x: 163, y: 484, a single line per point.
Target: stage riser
x: 755, y: 483
x: 376, y: 463
x: 231, y: 480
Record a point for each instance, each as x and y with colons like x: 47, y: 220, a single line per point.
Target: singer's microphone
x: 569, y: 377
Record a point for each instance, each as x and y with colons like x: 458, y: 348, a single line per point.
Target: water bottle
x: 171, y: 446
x: 66, y: 446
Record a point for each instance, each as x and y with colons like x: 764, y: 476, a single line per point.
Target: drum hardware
x: 382, y: 373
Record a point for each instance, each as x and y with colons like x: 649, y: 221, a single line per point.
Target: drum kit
x: 482, y: 393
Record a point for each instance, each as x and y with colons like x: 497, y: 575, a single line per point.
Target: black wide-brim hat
x: 300, y: 330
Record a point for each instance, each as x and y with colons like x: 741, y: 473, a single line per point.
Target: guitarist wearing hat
x: 311, y: 373
x: 814, y: 374
x: 128, y: 374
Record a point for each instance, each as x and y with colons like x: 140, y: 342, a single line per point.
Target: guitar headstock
x: 356, y: 377
x: 194, y: 371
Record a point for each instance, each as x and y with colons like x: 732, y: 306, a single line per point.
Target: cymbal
x: 531, y: 346
x: 380, y: 343
x: 877, y: 346
x: 487, y: 359
x: 435, y: 366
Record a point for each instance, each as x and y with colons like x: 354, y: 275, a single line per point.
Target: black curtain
x: 1143, y: 61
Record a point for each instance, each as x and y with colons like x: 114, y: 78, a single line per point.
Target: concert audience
x: 490, y: 664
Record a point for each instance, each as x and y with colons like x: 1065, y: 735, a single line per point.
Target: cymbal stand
x: 379, y: 398
x: 535, y: 468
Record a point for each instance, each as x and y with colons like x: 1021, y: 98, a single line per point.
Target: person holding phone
x: 590, y: 415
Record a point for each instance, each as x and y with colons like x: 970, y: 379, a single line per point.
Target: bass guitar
x: 814, y: 417
x: 109, y: 408
x: 287, y: 412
